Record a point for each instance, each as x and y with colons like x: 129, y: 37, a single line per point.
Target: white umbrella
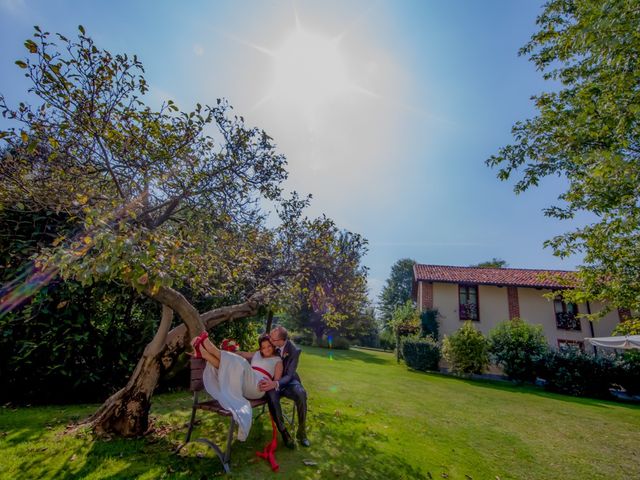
x: 624, y: 341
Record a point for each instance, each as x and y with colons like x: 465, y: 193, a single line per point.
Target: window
x: 566, y: 315
x: 468, y: 302
x: 564, y: 345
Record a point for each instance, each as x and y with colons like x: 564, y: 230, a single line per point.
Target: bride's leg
x: 210, y: 348
x: 212, y: 359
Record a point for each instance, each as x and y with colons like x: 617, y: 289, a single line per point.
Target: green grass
x: 369, y: 418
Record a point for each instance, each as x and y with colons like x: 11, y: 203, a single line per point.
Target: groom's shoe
x: 288, y: 441
x: 304, y: 441
x: 302, y: 436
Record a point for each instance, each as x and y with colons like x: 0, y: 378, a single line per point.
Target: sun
x: 309, y: 70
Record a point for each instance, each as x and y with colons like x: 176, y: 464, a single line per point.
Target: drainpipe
x: 595, y: 350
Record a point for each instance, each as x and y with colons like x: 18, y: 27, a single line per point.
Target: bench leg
x: 189, y: 431
x: 225, y: 457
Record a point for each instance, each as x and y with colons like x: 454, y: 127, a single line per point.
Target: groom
x: 288, y: 386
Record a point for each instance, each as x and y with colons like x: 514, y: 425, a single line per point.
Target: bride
x: 233, y: 378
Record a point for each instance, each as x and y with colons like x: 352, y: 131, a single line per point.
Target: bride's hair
x: 262, y: 338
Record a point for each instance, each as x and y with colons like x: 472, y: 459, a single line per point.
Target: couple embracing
x: 234, y: 378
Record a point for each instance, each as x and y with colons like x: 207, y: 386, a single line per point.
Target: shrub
x: 387, y: 340
x: 574, y: 372
x: 516, y: 345
x: 429, y: 323
x: 337, y: 343
x: 628, y: 372
x: 73, y: 344
x: 466, y: 350
x: 421, y: 353
x: 302, y: 339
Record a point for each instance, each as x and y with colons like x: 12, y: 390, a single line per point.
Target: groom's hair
x: 282, y: 332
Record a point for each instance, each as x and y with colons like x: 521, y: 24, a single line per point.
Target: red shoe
x: 197, y: 342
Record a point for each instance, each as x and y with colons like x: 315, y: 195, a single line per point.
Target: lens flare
x: 21, y: 289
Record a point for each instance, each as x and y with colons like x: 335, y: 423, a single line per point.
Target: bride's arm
x: 246, y: 355
x: 278, y: 373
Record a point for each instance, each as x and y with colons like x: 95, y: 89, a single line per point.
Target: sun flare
x: 309, y: 70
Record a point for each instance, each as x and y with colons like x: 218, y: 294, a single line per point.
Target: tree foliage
x: 493, y: 263
x: 165, y: 198
x: 404, y: 322
x: 397, y: 289
x: 329, y: 290
x: 588, y: 131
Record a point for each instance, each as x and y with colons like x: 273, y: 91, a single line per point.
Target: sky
x: 385, y: 110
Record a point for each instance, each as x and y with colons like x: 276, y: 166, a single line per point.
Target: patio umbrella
x: 627, y: 342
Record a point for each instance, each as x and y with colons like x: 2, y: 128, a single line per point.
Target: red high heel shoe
x: 197, y: 342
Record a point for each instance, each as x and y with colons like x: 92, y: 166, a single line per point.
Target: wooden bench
x: 212, y: 405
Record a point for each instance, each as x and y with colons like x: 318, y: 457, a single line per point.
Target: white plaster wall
x: 534, y: 309
x: 445, y: 299
x: 494, y: 307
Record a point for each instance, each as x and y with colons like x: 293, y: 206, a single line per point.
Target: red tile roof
x: 518, y: 277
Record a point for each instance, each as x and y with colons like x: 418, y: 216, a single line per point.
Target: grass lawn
x: 369, y: 418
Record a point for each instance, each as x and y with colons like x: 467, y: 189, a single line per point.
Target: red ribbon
x: 262, y: 371
x: 269, y: 452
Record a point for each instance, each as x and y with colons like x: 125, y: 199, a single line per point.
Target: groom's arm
x: 287, y: 375
x: 290, y: 370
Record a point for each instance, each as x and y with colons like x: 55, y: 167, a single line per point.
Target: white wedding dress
x: 236, y: 382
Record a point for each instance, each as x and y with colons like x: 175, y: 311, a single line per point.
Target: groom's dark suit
x: 289, y: 386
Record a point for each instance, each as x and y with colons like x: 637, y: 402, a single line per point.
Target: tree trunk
x: 126, y: 412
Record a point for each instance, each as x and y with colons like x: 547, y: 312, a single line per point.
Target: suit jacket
x: 290, y: 356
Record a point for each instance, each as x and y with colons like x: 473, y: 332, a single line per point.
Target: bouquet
x: 229, y: 345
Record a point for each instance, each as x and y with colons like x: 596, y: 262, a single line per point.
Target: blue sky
x: 386, y: 110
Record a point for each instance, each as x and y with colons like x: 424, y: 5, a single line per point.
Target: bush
x: 421, y: 353
x: 73, y: 344
x: 337, y: 343
x: 515, y: 346
x: 429, y: 324
x: 628, y: 372
x: 466, y: 350
x: 302, y: 339
x: 574, y: 372
x: 387, y: 340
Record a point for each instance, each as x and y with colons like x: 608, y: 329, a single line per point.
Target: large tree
x: 587, y: 130
x: 163, y: 201
x: 329, y: 292
x: 397, y: 289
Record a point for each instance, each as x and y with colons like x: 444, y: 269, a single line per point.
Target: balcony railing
x: 468, y: 311
x: 567, y: 321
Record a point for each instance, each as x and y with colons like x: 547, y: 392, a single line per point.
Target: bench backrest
x: 197, y: 368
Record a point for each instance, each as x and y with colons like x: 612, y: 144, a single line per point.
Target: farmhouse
x: 488, y: 296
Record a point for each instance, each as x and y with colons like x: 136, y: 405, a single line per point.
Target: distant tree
x: 397, y: 289
x: 329, y: 292
x: 405, y: 321
x: 587, y: 130
x: 493, y: 263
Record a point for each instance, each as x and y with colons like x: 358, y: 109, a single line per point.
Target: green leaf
x: 21, y: 64
x: 81, y: 28
x: 31, y: 46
